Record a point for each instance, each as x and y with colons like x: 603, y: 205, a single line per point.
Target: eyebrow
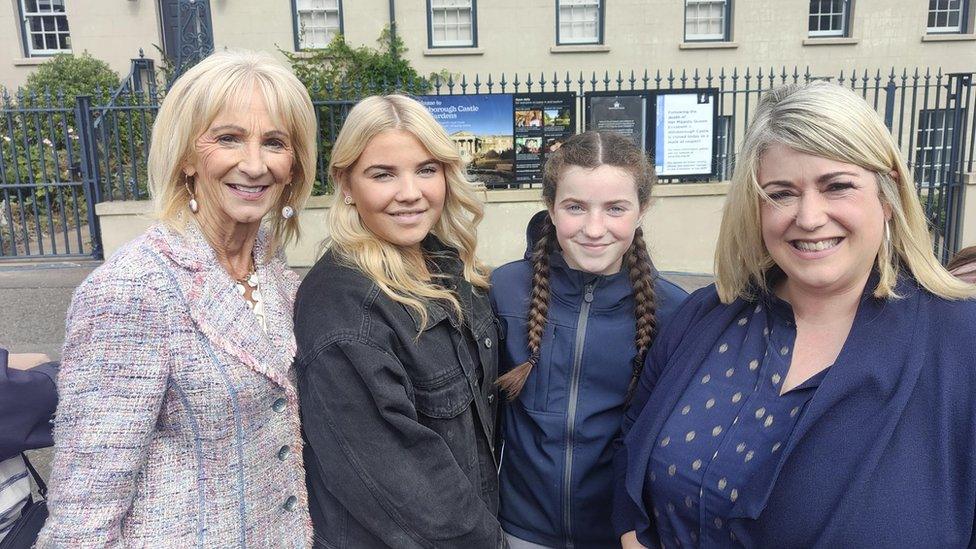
x: 820, y: 180
x: 389, y: 168
x: 239, y: 129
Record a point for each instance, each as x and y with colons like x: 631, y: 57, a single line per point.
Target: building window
x: 947, y: 16
x: 452, y: 23
x: 829, y: 18
x: 317, y: 22
x: 933, y: 146
x: 707, y: 20
x: 45, y: 27
x: 579, y: 21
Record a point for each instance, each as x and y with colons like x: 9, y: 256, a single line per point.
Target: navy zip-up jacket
x: 556, y: 478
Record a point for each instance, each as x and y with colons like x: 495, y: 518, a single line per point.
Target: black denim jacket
x: 399, y: 429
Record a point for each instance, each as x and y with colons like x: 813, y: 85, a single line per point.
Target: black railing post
x: 960, y: 86
x: 89, y: 169
x: 889, y: 109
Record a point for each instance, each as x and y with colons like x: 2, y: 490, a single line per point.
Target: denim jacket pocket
x: 444, y: 397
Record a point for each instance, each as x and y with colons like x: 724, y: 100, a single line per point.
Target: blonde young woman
x: 178, y: 418
x: 397, y: 344
x: 821, y: 393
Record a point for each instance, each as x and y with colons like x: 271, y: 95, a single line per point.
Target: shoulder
x: 335, y: 301
x: 510, y: 285
x: 699, y: 310
x: 669, y: 297
x: 134, y: 269
x: 514, y: 273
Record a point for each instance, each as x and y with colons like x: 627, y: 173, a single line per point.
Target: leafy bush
x: 39, y: 137
x: 338, y: 75
x: 81, y: 75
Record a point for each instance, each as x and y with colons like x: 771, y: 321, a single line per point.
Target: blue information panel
x: 504, y: 138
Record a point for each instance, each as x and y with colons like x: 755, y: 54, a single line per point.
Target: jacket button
x: 290, y: 503
x: 283, y: 452
x: 279, y: 405
x: 488, y: 342
x: 491, y: 398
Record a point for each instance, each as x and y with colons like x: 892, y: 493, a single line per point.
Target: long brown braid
x: 513, y: 380
x: 590, y: 150
x: 641, y: 271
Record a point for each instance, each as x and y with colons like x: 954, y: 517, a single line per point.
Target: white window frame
x: 304, y: 8
x: 844, y: 13
x: 933, y: 145
x: 722, y: 36
x: 45, y: 9
x: 945, y: 6
x: 571, y: 6
x: 438, y: 15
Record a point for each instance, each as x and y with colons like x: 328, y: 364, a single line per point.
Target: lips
x: 815, y: 245
x: 248, y: 192
x: 407, y: 217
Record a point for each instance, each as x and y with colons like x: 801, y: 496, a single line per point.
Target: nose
x: 811, y: 211
x: 409, y: 190
x: 253, y: 163
x: 595, y: 225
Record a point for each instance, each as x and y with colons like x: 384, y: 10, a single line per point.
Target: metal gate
x: 46, y: 202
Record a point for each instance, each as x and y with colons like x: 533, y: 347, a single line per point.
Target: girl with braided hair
x: 578, y: 314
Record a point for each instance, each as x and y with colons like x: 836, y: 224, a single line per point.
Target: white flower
x: 46, y: 141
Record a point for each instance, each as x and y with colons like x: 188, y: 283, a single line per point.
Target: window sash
x: 828, y: 18
x: 945, y: 16
x: 318, y: 22
x: 706, y: 20
x: 933, y: 146
x: 579, y: 21
x: 451, y: 23
x: 45, y: 27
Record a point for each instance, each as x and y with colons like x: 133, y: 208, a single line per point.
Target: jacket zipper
x: 571, y: 412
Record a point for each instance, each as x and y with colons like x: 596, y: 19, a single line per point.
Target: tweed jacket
x: 178, y: 420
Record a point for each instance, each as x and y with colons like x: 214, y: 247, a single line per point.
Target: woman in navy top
x: 577, y: 317
x: 820, y: 395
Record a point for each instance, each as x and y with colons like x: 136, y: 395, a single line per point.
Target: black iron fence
x: 60, y: 156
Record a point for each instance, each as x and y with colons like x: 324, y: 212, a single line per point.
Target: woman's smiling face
x: 243, y: 162
x: 824, y: 221
x: 397, y: 187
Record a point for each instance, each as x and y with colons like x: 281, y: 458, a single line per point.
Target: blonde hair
x: 226, y: 79
x: 829, y: 121
x: 382, y: 261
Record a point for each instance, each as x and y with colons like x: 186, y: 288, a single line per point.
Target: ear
x: 893, y: 174
x: 189, y: 170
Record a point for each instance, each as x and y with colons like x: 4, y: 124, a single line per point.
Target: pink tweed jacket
x: 178, y: 419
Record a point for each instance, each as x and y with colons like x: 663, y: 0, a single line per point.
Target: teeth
x: 251, y: 190
x: 817, y: 246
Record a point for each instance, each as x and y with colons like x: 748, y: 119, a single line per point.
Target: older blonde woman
x: 397, y: 344
x: 820, y: 394
x: 178, y: 421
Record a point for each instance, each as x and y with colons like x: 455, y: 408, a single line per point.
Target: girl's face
x: 397, y: 187
x: 596, y: 212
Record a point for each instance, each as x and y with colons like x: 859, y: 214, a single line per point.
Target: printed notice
x: 684, y: 133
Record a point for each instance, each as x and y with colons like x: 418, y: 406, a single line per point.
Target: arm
x: 395, y: 476
x: 112, y: 380
x: 27, y: 401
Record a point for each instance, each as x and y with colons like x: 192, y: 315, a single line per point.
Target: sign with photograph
x: 543, y: 122
x: 684, y: 132
x: 619, y: 112
x: 481, y: 127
